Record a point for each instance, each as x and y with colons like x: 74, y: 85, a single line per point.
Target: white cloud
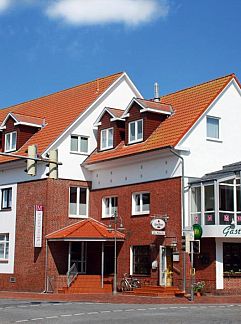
x: 4, y: 4
x: 95, y: 12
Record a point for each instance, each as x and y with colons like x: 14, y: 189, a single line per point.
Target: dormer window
x: 106, y: 139
x: 10, y: 141
x: 135, y: 131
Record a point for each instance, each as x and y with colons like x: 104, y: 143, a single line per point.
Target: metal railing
x: 72, y: 274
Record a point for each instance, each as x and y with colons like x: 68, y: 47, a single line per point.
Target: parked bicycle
x: 128, y: 283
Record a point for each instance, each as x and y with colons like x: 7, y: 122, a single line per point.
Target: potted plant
x: 198, y: 287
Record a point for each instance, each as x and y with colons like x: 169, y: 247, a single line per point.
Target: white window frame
x: 8, y: 189
x: 135, y: 122
x: 104, y: 214
x: 79, y: 151
x: 217, y: 139
x: 78, y: 215
x: 107, y: 132
x: 11, y: 147
x: 5, y: 243
x: 141, y: 212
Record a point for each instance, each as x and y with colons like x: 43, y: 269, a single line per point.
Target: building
x: 125, y: 161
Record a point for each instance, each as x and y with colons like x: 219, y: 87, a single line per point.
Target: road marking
x: 141, y: 309
x: 22, y: 306
x: 21, y: 321
x: 91, y: 313
x: 36, y: 319
x: 50, y: 317
x: 106, y: 311
x: 130, y: 310
x: 66, y: 315
x: 152, y: 308
x: 78, y: 314
x: 117, y: 310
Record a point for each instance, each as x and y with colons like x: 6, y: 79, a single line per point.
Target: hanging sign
x: 197, y: 231
x: 158, y: 225
x: 38, y: 225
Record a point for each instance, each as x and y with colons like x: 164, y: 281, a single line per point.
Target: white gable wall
x: 205, y: 155
x: 119, y: 97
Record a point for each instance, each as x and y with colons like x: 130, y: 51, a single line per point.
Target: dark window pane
x: 141, y: 260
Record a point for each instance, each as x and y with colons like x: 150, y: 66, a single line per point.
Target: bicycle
x: 128, y: 283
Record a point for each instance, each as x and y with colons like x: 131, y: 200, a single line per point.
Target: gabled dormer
x: 142, y: 117
x: 17, y: 129
x: 111, y: 129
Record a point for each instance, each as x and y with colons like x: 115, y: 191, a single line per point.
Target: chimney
x: 156, y: 92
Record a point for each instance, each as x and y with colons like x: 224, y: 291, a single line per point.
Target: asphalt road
x: 13, y: 311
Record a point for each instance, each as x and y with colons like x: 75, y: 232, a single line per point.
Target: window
x: 109, y: 206
x: 141, y: 203
x: 106, y: 138
x: 6, y: 198
x: 226, y: 202
x: 141, y: 260
x: 213, y: 128
x: 78, y: 202
x: 232, y: 257
x: 10, y: 141
x: 136, y: 131
x: 196, y: 205
x: 79, y: 144
x: 4, y: 247
x: 209, y: 205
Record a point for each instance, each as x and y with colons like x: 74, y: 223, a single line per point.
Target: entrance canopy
x: 86, y: 230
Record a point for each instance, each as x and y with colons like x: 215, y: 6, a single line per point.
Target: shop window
x: 141, y: 260
x: 209, y: 205
x: 226, y: 202
x: 196, y: 205
x: 10, y: 141
x: 232, y: 258
x: 6, y: 198
x: 4, y: 247
x: 141, y: 203
x: 79, y: 144
x: 78, y: 202
x: 109, y: 206
x: 106, y: 139
x: 213, y: 128
x: 135, y: 131
x: 238, y: 201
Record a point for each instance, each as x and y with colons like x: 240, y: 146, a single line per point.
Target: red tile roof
x: 59, y: 109
x: 188, y: 105
x: 29, y: 119
x: 86, y: 229
x: 116, y: 112
x: 159, y: 106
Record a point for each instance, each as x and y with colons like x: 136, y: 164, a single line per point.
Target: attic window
x: 79, y: 144
x: 213, y: 131
x: 10, y: 141
x: 135, y: 131
x: 106, y: 139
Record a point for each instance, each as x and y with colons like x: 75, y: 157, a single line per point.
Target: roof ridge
x: 200, y: 84
x: 59, y: 91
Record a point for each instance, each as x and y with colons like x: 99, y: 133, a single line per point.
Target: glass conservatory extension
x: 216, y: 203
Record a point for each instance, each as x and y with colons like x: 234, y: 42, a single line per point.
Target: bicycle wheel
x: 136, y: 283
x: 123, y: 285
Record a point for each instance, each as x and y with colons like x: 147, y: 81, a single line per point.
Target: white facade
x: 8, y: 226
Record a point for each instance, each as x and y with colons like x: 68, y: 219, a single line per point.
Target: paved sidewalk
x: 119, y: 298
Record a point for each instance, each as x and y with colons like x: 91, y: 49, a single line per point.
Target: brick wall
x: 29, y: 269
x: 165, y: 199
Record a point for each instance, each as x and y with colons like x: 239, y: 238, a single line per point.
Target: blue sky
x: 49, y: 45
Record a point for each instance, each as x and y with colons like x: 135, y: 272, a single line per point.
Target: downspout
x: 46, y: 267
x: 172, y: 150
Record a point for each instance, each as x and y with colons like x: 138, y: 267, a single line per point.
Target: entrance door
x: 163, y: 266
x: 78, y: 256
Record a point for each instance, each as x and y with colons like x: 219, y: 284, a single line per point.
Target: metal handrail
x: 72, y: 274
